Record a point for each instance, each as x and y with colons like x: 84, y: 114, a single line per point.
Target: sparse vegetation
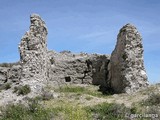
x: 15, y: 89
x: 34, y: 111
x: 153, y: 99
x: 5, y: 86
x: 5, y: 65
x: 106, y: 111
x: 22, y: 90
x: 70, y: 112
x: 88, y: 98
x: 73, y: 89
x: 151, y: 105
x: 79, y: 89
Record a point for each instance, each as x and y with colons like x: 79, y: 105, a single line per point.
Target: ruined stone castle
x: 122, y: 72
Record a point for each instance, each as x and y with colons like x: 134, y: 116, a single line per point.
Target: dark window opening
x: 68, y: 79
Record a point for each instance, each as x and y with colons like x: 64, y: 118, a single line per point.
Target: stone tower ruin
x: 33, y: 53
x: 126, y: 69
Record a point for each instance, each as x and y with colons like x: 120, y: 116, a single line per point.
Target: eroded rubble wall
x: 126, y: 69
x: 33, y: 54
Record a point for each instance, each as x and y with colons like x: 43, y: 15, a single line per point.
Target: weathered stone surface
x: 14, y: 73
x: 83, y: 68
x: 33, y: 53
x: 10, y: 72
x: 127, y: 72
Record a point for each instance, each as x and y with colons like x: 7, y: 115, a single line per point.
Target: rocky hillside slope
x: 85, y: 102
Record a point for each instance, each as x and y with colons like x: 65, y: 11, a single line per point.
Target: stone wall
x: 83, y: 68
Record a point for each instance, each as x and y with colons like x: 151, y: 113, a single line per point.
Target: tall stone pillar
x: 127, y: 72
x: 33, y: 53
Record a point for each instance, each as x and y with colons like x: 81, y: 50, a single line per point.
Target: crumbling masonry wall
x: 126, y: 69
x: 33, y: 53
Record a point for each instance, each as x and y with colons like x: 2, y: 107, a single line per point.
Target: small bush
x: 33, y: 105
x: 22, y: 90
x: 15, y: 89
x: 133, y: 110
x: 88, y: 98
x: 5, y: 86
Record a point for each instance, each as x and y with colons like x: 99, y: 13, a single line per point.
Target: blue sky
x: 83, y: 25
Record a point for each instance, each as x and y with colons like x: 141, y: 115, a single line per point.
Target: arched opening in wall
x: 68, y: 79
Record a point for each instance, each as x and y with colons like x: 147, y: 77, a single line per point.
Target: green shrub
x: 88, y: 98
x: 15, y: 89
x: 133, y: 110
x: 5, y: 86
x: 22, y: 90
x: 33, y: 105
